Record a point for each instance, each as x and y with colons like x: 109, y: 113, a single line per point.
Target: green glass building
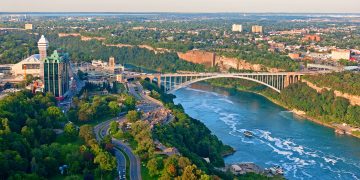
x: 56, y: 73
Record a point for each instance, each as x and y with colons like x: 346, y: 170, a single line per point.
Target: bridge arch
x: 182, y: 85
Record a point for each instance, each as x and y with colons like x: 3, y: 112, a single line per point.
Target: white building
x: 28, y: 66
x: 99, y: 63
x: 32, y: 65
x: 237, y: 28
x: 338, y: 54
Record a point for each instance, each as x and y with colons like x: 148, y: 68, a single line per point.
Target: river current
x: 305, y: 150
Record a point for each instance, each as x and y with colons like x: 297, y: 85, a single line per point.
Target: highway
x: 101, y: 130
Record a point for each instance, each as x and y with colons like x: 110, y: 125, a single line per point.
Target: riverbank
x: 347, y: 129
x: 304, y: 115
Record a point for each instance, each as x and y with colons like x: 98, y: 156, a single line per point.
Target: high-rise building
x: 43, y: 44
x: 237, y: 28
x: 257, y: 29
x: 112, y: 63
x: 56, y: 74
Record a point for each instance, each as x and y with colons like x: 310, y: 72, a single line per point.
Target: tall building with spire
x: 43, y: 45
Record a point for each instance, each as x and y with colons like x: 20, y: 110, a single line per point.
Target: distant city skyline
x: 187, y: 6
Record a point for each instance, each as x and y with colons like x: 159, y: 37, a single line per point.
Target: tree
x: 130, y: 102
x: 4, y: 126
x: 85, y: 112
x: 114, y: 108
x: 192, y: 173
x: 70, y: 130
x: 86, y: 132
x: 154, y: 167
x: 133, y: 116
x: 106, y: 161
x: 55, y: 113
x: 114, y: 127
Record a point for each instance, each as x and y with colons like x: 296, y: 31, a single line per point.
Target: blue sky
x: 321, y: 6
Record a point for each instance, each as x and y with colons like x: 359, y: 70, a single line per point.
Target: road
x: 101, y: 130
x: 147, y: 103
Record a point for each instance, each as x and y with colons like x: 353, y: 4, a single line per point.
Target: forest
x: 38, y: 142
x: 346, y: 82
x: 324, y: 106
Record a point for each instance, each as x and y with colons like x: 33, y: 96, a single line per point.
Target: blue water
x: 304, y: 149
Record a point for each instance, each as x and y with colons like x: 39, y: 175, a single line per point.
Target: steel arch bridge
x: 172, y: 82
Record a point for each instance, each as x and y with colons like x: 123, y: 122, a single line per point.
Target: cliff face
x: 210, y: 59
x: 83, y: 38
x: 198, y: 57
x: 354, y: 100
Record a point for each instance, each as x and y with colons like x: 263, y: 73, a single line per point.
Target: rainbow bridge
x: 172, y: 82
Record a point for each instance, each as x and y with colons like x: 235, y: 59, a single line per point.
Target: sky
x: 291, y: 6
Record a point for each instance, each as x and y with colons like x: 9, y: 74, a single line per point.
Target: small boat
x: 248, y: 134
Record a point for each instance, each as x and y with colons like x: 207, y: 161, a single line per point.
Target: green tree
x: 4, y: 126
x: 154, y: 167
x: 70, y: 130
x: 133, y: 116
x: 114, y: 108
x: 114, y: 127
x: 106, y: 161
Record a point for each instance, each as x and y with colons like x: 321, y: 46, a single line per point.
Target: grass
x: 94, y: 122
x: 145, y: 173
x: 356, y: 133
x: 63, y: 139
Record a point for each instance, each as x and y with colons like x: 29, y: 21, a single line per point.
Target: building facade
x: 309, y: 37
x: 237, y: 28
x: 257, y: 29
x: 56, y: 74
x: 28, y: 66
x: 338, y: 54
x: 28, y: 26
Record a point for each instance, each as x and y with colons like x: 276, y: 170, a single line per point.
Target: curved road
x: 101, y: 130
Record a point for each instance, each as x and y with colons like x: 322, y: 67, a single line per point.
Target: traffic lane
x: 121, y: 164
x: 134, y: 162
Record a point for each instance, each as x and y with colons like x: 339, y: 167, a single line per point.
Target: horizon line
x: 171, y: 12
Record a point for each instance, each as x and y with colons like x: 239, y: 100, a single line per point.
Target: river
x: 305, y: 150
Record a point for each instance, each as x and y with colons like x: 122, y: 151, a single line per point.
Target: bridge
x: 172, y: 82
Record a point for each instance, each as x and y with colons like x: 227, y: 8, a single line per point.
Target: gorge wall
x: 354, y: 100
x: 210, y: 59
x: 199, y: 57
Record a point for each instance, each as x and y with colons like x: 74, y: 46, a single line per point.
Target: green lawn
x: 145, y: 173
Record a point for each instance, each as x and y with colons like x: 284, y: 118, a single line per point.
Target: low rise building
x: 312, y: 37
x: 28, y: 66
x: 338, y: 54
x: 28, y: 26
x: 294, y: 55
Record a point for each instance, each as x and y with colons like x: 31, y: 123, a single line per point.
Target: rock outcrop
x: 210, y: 59
x: 353, y: 99
x: 199, y: 57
